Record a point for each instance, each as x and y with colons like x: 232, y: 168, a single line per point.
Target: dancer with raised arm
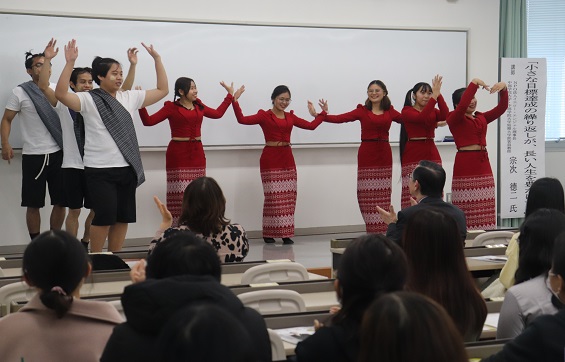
x: 185, y: 159
x: 374, y: 160
x: 473, y: 183
x: 112, y: 160
x: 420, y: 118
x: 278, y: 170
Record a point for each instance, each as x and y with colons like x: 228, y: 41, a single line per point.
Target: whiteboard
x: 314, y: 62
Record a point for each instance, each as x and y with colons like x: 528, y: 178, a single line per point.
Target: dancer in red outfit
x: 420, y: 118
x: 473, y: 184
x: 278, y: 170
x: 374, y: 159
x: 185, y: 159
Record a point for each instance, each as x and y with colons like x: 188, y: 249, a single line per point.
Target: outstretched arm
x: 221, y: 110
x: 62, y: 93
x: 45, y: 72
x: 154, y: 95
x: 132, y: 57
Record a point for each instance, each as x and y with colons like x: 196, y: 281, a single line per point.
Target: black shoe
x: 269, y: 240
x: 85, y: 244
x: 287, y: 241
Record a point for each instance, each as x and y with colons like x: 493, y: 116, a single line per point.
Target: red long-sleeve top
x: 373, y: 126
x: 423, y: 123
x: 185, y: 123
x: 468, y: 131
x: 276, y: 129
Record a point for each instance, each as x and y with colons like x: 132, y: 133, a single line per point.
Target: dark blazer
x: 395, y: 230
x: 543, y: 340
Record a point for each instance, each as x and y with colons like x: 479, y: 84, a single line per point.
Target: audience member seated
x: 370, y: 266
x: 203, y: 208
x: 409, y: 327
x: 531, y: 296
x: 183, y: 270
x: 55, y: 325
x: 426, y: 188
x: 205, y: 333
x: 437, y: 269
x: 544, y: 338
x: 547, y: 193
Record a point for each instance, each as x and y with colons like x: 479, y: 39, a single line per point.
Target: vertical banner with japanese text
x: 522, y: 132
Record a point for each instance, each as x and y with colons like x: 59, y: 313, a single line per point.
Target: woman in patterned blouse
x: 203, y: 208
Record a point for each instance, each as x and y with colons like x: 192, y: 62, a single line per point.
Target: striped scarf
x: 45, y: 111
x: 119, y: 123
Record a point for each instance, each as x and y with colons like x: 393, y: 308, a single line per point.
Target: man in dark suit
x: 426, y: 187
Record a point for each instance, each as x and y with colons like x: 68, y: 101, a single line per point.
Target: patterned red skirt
x: 374, y: 183
x: 473, y: 189
x: 278, y: 175
x: 415, y: 152
x: 185, y: 161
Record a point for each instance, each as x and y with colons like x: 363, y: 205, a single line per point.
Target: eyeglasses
x: 284, y: 100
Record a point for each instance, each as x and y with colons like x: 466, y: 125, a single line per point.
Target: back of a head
x: 55, y: 262
x: 205, y: 333
x: 203, y: 206
x: 408, y: 327
x: 431, y: 177
x: 545, y: 192
x: 437, y: 268
x: 536, y: 240
x: 183, y: 254
x: 370, y: 266
x: 432, y: 244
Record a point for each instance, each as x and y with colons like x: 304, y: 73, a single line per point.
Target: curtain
x: 512, y: 44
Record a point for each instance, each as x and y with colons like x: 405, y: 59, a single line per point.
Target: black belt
x: 375, y: 140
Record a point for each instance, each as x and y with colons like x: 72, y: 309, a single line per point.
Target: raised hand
x: 480, y: 83
x: 132, y: 55
x: 50, y: 50
x: 151, y: 51
x: 389, y: 216
x: 238, y: 93
x: 498, y: 87
x: 323, y: 104
x: 312, y: 109
x: 71, y: 51
x: 228, y: 88
x: 165, y: 214
x: 436, y: 85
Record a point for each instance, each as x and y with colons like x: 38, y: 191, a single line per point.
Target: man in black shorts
x: 42, y: 153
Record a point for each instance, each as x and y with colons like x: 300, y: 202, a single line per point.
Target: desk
x: 235, y: 278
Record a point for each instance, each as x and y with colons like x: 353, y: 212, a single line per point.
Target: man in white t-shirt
x: 75, y: 195
x: 111, y: 156
x: 41, y: 154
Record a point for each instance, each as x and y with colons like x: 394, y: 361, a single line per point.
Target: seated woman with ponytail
x: 55, y: 325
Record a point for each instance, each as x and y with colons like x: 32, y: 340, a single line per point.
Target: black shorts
x: 75, y: 195
x: 112, y: 193
x: 37, y: 171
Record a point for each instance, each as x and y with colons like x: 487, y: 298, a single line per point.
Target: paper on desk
x: 295, y: 334
x: 491, y: 323
x: 491, y: 258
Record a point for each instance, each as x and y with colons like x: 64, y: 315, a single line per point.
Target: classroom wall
x: 326, y: 174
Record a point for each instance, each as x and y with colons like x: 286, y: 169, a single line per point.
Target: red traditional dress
x: 420, y: 127
x: 185, y: 160
x: 473, y: 183
x: 374, y: 162
x: 278, y: 170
